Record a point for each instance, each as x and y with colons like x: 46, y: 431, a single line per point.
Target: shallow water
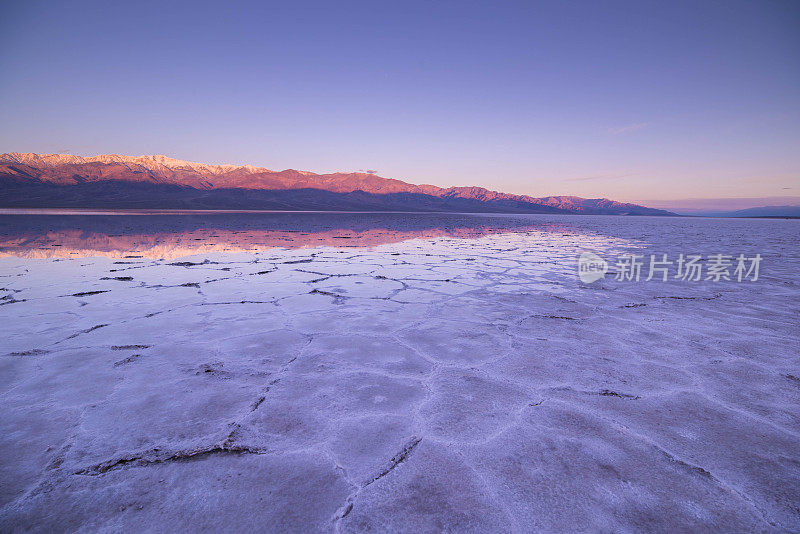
x: 368, y: 371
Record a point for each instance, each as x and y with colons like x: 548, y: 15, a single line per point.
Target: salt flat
x: 413, y: 373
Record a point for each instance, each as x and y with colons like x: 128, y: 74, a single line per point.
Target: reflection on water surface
x: 159, y: 235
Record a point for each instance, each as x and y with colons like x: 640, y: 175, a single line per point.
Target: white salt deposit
x: 431, y: 384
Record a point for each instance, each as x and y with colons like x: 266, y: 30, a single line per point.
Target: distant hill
x: 114, y: 181
x: 767, y: 211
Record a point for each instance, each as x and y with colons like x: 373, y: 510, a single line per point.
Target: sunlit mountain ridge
x: 115, y: 181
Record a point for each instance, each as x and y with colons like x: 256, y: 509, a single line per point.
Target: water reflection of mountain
x: 169, y: 236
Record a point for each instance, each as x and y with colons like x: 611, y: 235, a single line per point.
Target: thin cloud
x: 628, y: 128
x: 600, y: 177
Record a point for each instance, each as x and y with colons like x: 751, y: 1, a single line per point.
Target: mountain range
x: 158, y: 182
x: 758, y: 211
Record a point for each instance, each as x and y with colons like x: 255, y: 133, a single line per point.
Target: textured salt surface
x: 438, y: 384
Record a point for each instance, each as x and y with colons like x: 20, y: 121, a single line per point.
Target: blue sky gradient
x: 627, y: 100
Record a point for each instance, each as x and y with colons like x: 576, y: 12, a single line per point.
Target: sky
x: 634, y: 101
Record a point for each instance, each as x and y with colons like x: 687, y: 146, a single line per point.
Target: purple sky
x: 629, y: 100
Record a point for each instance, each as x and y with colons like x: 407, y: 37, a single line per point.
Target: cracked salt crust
x: 447, y: 383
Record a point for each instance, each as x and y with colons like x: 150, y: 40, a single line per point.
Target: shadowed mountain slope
x: 114, y: 181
